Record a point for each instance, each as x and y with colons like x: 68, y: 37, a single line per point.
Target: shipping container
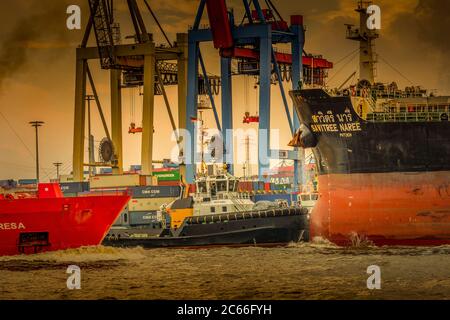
x: 156, y: 192
x: 139, y: 218
x: 8, y: 183
x: 106, y: 170
x: 167, y: 175
x: 168, y: 183
x: 115, y: 181
x: 258, y: 185
x: 135, y: 168
x: 148, y: 181
x: 74, y: 187
x: 245, y: 186
x: 149, y: 204
x: 280, y: 187
x: 26, y: 182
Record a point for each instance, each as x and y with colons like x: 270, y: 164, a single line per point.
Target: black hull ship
x: 383, y: 158
x: 385, y: 180
x: 382, y: 143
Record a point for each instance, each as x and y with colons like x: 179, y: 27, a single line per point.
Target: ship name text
x: 4, y: 226
x: 342, y: 123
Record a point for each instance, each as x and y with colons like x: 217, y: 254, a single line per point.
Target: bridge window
x: 221, y: 186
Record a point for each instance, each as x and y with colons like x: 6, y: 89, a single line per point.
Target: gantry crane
x: 141, y: 63
x: 251, y: 44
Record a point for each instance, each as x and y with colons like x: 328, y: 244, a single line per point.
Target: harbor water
x: 318, y: 270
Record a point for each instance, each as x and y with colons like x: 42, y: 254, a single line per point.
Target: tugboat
x: 48, y: 221
x: 218, y: 215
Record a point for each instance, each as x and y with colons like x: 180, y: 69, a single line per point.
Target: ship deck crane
x: 251, y: 44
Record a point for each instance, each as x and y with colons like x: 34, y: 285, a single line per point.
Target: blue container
x: 135, y: 168
x: 156, y: 192
x: 258, y: 185
x: 74, y: 187
x: 106, y: 171
x: 27, y: 182
x: 261, y: 185
x: 71, y: 187
x: 8, y: 183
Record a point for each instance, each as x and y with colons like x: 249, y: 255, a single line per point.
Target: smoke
x: 42, y: 28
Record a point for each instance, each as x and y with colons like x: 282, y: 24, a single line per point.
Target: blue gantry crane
x: 251, y: 43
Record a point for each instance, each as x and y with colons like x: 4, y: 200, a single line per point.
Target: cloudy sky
x: 37, y: 55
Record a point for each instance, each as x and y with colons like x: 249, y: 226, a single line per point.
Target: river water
x: 317, y: 270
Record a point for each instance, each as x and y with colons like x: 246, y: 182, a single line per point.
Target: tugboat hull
x: 268, y: 228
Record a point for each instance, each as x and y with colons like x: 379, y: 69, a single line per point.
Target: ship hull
x: 383, y: 209
x: 384, y: 182
x: 277, y: 227
x: 29, y: 226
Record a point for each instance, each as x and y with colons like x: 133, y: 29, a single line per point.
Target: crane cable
x: 345, y: 65
x: 246, y: 93
x: 346, y: 56
x: 395, y: 69
x: 132, y: 106
x: 157, y: 22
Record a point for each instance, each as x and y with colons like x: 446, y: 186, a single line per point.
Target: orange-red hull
x: 385, y: 208
x: 50, y: 223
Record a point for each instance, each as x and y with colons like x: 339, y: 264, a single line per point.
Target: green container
x: 167, y: 175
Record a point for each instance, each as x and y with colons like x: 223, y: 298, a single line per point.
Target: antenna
x: 37, y: 125
x: 57, y: 165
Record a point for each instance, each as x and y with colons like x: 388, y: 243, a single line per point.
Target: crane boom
x: 103, y: 32
x: 220, y: 24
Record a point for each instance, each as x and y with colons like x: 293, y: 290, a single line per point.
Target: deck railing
x: 409, y: 117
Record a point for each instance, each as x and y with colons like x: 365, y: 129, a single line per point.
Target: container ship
x: 382, y: 157
x: 48, y: 221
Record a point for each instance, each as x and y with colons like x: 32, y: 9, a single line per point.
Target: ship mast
x: 366, y: 38
x: 202, y: 143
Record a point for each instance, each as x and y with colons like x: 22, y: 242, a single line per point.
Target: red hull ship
x: 50, y: 222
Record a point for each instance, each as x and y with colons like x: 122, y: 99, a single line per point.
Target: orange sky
x: 41, y: 87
